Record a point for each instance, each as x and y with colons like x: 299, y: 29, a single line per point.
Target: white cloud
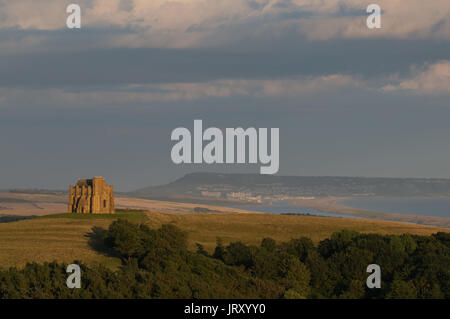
x: 399, y: 19
x: 192, y: 23
x: 290, y: 87
x: 147, y: 93
x: 432, y: 79
x: 428, y: 80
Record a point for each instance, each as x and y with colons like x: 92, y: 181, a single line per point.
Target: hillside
x: 218, y: 187
x: 66, y: 237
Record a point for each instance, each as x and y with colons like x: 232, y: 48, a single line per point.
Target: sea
x: 437, y: 207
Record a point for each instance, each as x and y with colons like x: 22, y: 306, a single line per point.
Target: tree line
x: 156, y: 263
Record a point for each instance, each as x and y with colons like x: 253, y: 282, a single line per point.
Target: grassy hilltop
x: 68, y: 237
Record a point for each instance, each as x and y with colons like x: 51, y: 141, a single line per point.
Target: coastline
x: 330, y: 205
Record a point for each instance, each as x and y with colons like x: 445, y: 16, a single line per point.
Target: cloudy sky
x: 103, y: 99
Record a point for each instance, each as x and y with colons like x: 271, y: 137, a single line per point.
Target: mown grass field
x: 69, y: 237
x: 61, y: 237
x: 132, y: 215
x: 252, y: 228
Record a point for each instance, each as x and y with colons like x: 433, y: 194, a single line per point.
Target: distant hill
x: 209, y: 185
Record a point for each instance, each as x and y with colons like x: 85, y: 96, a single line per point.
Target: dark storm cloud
x: 366, y: 58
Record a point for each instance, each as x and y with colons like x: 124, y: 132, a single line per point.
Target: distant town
x: 264, y: 189
x: 247, y: 196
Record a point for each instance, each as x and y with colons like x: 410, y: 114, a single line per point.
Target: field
x: 31, y: 204
x: 252, y: 228
x: 24, y: 204
x: 20, y: 204
x: 69, y: 237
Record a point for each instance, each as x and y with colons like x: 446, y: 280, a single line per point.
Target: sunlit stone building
x: 91, y: 196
